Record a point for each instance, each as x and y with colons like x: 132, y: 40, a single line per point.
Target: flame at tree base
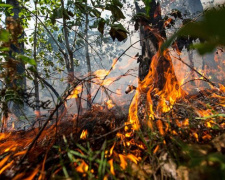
x: 156, y: 94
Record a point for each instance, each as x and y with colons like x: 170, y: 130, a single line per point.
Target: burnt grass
x: 190, y: 148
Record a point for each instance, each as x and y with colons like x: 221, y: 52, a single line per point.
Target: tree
x: 209, y: 30
x: 88, y: 86
x: 67, y: 41
x: 36, y: 84
x: 15, y: 78
x: 156, y: 73
x: 187, y: 11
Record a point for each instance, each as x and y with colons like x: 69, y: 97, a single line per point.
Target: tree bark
x: 157, y: 79
x: 89, y: 101
x: 69, y: 61
x: 15, y: 80
x: 36, y: 85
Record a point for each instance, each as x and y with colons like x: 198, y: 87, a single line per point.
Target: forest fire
x: 174, y: 120
x: 161, y: 109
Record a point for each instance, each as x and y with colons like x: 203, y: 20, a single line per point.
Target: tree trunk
x: 87, y: 61
x: 150, y: 44
x: 157, y: 80
x: 15, y: 80
x: 69, y: 60
x: 36, y: 85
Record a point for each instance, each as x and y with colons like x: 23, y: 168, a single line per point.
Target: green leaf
x: 147, y: 5
x: 116, y: 12
x: 80, y: 6
x: 78, y: 154
x: 203, y: 48
x: 70, y: 13
x: 117, y: 3
x: 96, y: 13
x: 4, y: 35
x: 27, y: 60
x: 212, y: 116
x: 66, y: 15
x: 140, y: 15
x: 101, y: 25
x: 4, y: 49
x: 57, y: 14
x: 3, y: 54
x: 118, y: 31
x: 5, y: 5
x: 210, y: 29
x: 216, y: 127
x: 71, y: 157
x: 11, y: 95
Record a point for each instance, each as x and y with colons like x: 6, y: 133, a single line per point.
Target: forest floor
x: 188, y: 142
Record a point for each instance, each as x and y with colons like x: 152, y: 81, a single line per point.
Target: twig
x: 109, y: 133
x: 193, y: 69
x: 49, y: 118
x: 116, y: 62
x: 193, y: 80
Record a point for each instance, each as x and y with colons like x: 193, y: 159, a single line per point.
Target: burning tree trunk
x: 152, y: 36
x: 158, y: 87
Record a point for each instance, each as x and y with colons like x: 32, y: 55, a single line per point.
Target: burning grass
x: 186, y: 139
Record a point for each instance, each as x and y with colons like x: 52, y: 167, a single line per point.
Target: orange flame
x: 114, y: 62
x: 110, y: 104
x: 6, y: 166
x: 195, y: 135
x: 101, y: 73
x: 123, y: 162
x: 167, y: 22
x: 156, y: 149
x: 111, y: 166
x: 83, y: 167
x: 131, y: 157
x: 207, y: 137
x: 13, y: 126
x: 37, y: 113
x: 160, y: 127
x: 168, y: 95
x: 84, y: 134
x: 75, y: 92
x: 3, y: 161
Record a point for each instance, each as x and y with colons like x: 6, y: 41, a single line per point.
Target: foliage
x: 147, y: 5
x: 210, y: 30
x: 118, y: 31
x: 52, y: 51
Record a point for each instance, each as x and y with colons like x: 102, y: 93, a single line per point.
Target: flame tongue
x: 84, y: 134
x: 149, y: 89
